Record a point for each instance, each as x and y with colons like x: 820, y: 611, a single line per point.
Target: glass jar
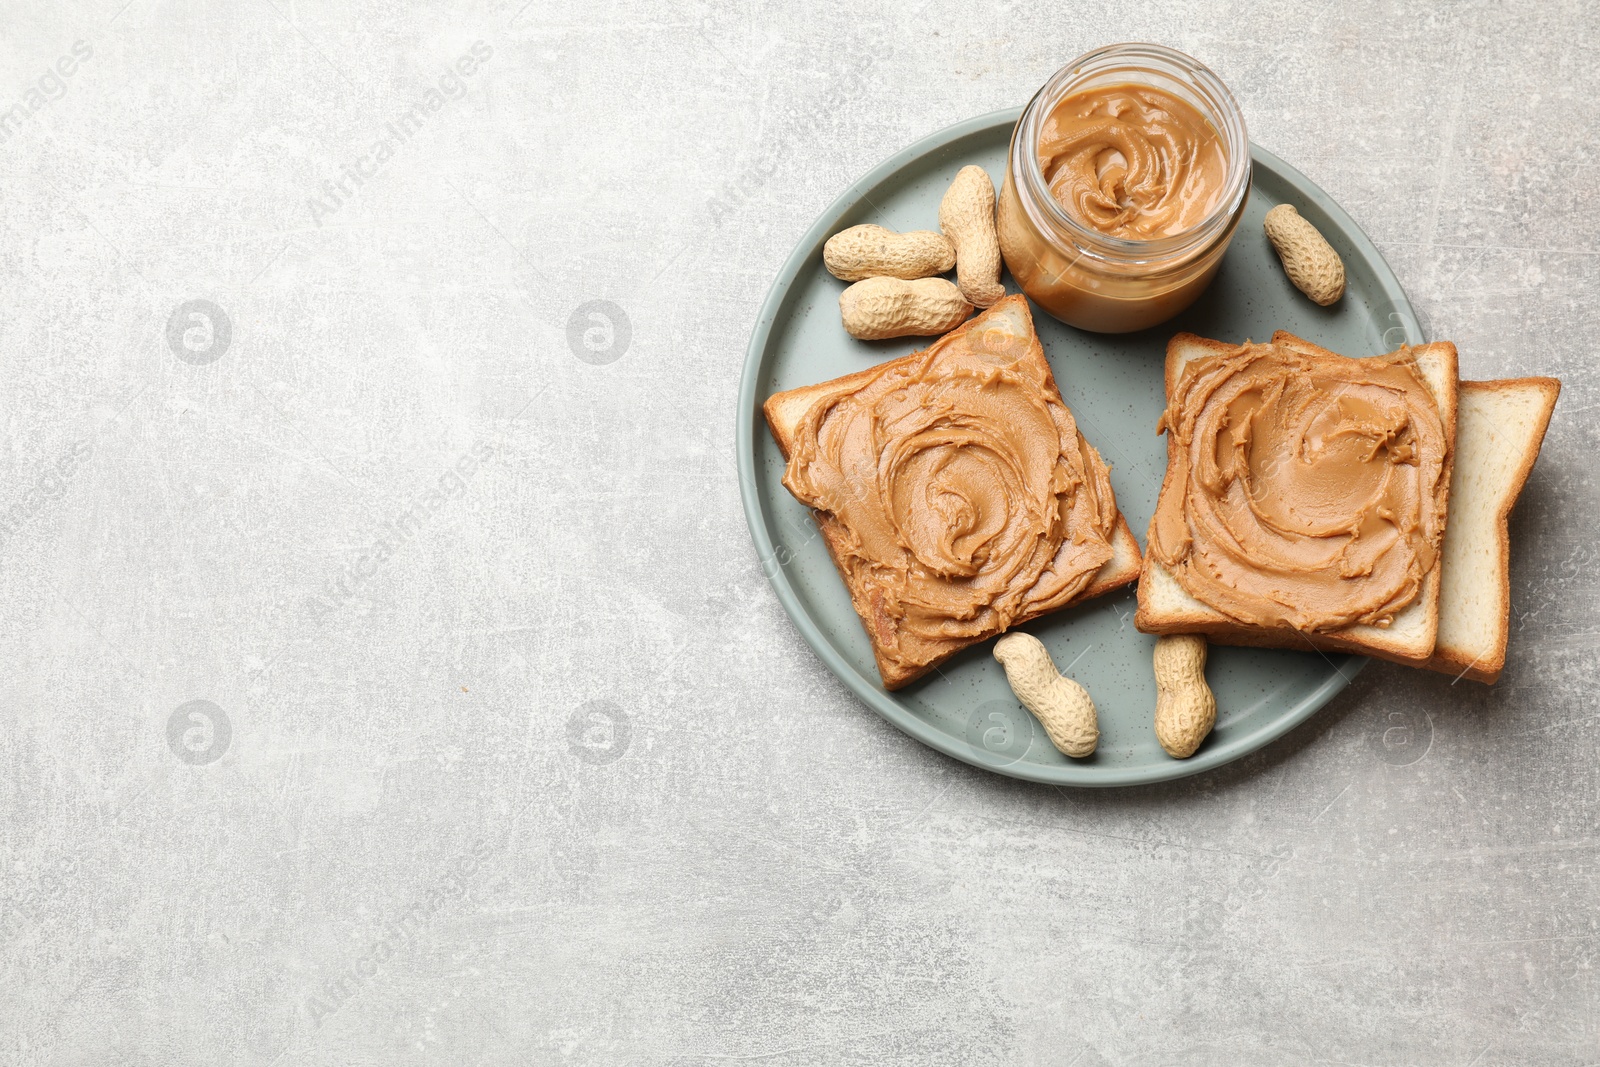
x: 1084, y: 277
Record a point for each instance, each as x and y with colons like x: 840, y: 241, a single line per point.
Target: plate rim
x: 870, y: 690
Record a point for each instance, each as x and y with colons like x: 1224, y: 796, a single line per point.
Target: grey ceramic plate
x: 1114, y: 387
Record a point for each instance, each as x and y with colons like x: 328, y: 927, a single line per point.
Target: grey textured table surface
x: 507, y: 753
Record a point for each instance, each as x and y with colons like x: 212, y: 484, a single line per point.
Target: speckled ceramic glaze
x: 1114, y: 386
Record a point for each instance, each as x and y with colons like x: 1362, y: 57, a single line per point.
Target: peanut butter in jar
x: 1125, y: 182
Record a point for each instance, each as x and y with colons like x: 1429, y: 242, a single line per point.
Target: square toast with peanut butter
x: 1307, y: 510
x: 954, y: 491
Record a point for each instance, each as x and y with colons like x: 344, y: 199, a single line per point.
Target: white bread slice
x: 1499, y: 429
x: 786, y: 411
x: 1165, y: 607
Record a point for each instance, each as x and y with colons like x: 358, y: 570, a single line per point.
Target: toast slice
x: 1166, y: 607
x: 902, y: 657
x: 1499, y: 430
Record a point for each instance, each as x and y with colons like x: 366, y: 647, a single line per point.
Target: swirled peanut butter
x: 1302, y: 490
x: 962, y: 495
x: 1132, y: 161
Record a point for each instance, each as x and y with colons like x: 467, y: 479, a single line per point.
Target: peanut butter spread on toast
x: 1302, y: 490
x: 960, y: 491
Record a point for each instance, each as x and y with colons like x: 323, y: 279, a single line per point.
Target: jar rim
x: 1224, y: 113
